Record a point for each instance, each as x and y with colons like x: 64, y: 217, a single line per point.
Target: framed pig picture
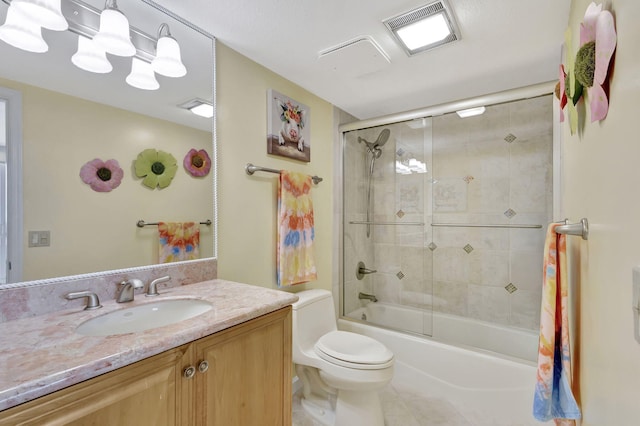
x: 288, y: 133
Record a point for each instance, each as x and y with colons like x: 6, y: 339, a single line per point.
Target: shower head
x: 374, y: 147
x: 383, y: 137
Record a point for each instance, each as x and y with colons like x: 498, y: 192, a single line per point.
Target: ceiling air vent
x: 424, y: 28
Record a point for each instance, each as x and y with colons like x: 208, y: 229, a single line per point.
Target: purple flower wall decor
x: 102, y: 176
x: 197, y: 163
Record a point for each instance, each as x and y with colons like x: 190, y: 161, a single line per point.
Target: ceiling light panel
x: 424, y: 28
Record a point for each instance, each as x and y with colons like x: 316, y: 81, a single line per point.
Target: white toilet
x: 341, y: 372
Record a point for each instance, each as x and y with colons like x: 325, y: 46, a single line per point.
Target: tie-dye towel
x: 295, y: 260
x: 178, y: 241
x: 553, y: 397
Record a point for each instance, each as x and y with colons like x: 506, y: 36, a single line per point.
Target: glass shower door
x: 387, y: 261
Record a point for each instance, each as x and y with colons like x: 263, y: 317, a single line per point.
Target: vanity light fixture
x: 20, y: 32
x: 168, y: 61
x: 142, y: 75
x: 470, y: 112
x: 99, y: 32
x: 424, y: 28
x: 199, y: 107
x: 90, y: 57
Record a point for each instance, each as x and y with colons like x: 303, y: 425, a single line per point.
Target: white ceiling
x: 505, y: 44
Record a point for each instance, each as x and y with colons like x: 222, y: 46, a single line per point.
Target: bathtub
x: 485, y: 386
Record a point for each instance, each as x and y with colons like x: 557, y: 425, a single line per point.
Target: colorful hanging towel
x: 553, y: 397
x: 295, y: 260
x: 178, y: 241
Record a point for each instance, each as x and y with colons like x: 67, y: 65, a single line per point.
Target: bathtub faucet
x: 367, y: 297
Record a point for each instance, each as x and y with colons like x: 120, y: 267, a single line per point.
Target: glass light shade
x: 425, y: 32
x: 142, y: 75
x: 20, y: 32
x: 168, y: 61
x: 91, y: 58
x: 113, y: 36
x: 46, y: 13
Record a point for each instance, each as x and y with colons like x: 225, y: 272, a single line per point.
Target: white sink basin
x: 143, y: 317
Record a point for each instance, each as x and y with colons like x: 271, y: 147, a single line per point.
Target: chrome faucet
x: 126, y: 290
x: 365, y: 296
x: 152, y: 290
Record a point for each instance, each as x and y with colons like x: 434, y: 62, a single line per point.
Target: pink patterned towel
x: 296, y: 232
x: 553, y: 398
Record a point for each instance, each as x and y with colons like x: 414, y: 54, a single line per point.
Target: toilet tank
x: 313, y: 317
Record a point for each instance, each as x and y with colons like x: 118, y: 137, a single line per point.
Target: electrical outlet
x: 39, y: 238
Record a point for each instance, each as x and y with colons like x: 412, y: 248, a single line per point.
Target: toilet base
x: 358, y: 408
x: 319, y: 409
x: 351, y: 408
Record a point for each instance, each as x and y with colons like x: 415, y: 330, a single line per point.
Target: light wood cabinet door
x: 144, y: 393
x: 248, y: 380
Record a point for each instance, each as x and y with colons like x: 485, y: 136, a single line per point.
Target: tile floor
x: 401, y: 408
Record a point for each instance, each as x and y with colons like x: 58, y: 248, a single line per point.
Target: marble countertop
x: 43, y: 354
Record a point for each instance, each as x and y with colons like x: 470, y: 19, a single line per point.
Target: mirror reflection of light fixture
x: 20, y: 32
x: 142, y: 75
x: 470, y: 112
x: 91, y: 58
x: 26, y: 18
x: 199, y: 107
x: 168, y: 61
x: 113, y: 36
x: 45, y: 13
x: 424, y: 28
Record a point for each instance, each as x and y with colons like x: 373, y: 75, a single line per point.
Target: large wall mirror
x: 60, y: 117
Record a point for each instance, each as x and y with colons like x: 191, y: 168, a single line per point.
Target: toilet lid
x: 353, y: 348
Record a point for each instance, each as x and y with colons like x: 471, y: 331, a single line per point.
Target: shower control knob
x: 189, y: 372
x: 203, y: 366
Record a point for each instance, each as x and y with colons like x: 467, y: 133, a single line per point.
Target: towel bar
x: 251, y: 169
x: 141, y: 223
x: 581, y: 229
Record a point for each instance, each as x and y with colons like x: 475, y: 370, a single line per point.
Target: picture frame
x: 288, y: 127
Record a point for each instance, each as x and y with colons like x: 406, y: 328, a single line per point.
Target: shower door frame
x: 526, y: 92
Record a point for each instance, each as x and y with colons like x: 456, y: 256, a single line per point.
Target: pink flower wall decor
x: 598, y: 27
x: 197, y: 163
x: 102, y: 176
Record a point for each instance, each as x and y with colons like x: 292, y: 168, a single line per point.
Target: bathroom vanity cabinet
x: 238, y: 376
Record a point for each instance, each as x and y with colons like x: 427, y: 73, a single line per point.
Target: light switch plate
x: 39, y: 238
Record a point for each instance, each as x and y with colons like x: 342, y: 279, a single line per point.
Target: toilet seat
x: 353, y: 351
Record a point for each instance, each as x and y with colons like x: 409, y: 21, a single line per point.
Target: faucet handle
x: 152, y: 290
x: 92, y: 299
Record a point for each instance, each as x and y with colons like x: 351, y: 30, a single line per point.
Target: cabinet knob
x: 189, y: 372
x: 203, y: 366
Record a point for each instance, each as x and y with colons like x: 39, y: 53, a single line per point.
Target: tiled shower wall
x: 495, y: 168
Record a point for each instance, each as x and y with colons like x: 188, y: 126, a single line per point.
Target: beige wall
x: 601, y: 176
x: 247, y: 204
x: 93, y: 231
